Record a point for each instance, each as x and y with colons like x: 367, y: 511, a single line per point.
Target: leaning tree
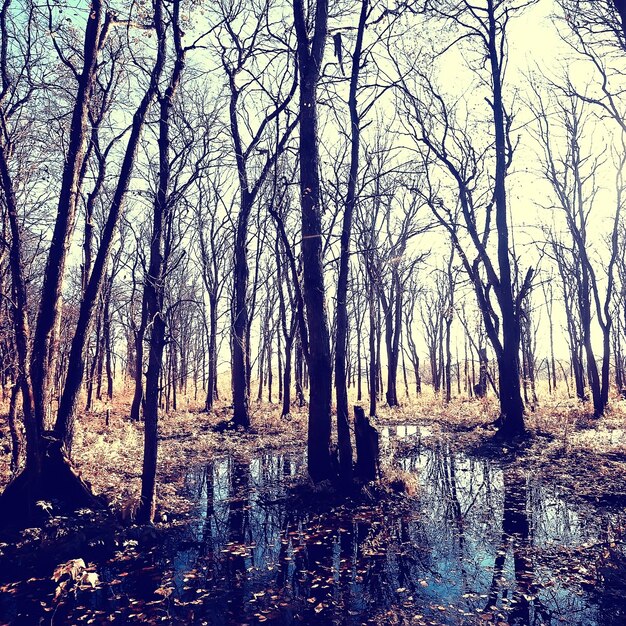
x: 48, y: 473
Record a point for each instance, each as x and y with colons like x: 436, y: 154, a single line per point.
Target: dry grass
x: 110, y: 457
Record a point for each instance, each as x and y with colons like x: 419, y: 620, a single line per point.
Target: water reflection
x: 482, y: 543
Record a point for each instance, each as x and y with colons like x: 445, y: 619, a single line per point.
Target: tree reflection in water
x: 523, y: 602
x: 464, y: 551
x: 480, y: 543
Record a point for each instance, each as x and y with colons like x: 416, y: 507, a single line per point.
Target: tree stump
x: 367, y: 447
x: 480, y: 390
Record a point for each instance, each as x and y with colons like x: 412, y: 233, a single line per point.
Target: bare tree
x: 246, y: 62
x: 159, y: 262
x: 310, y: 53
x: 477, y: 173
x: 50, y: 471
x: 214, y: 238
x: 572, y: 172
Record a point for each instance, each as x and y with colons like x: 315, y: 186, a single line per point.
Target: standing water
x: 479, y: 543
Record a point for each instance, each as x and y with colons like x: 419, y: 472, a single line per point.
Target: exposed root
x: 56, y: 488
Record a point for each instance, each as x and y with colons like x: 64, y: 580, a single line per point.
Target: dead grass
x: 567, y: 441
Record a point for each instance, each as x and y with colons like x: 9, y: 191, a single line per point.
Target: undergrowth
x: 109, y: 457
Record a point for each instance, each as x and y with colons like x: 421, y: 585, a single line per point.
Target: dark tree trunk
x: 279, y: 356
x: 404, y: 374
x: 48, y: 472
x: 45, y: 344
x: 310, y: 55
x: 605, y: 381
x: 76, y: 363
x: 287, y: 378
x: 448, y: 367
x: 270, y: 373
x: 154, y: 287
x: 510, y: 395
x: 100, y: 356
x: 373, y: 366
x: 135, y: 409
x: 592, y: 367
x: 359, y: 361
x: 578, y: 371
x: 20, y: 318
x: 240, y: 383
x: 378, y: 360
x: 261, y: 368
x: 299, y: 372
x: 94, y: 363
x: 16, y: 438
x: 107, y: 339
x: 418, y: 376
x: 551, y: 338
x: 480, y: 389
x: 393, y: 326
x: 367, y: 447
x: 212, y: 375
x: 511, y: 405
x: 343, y: 424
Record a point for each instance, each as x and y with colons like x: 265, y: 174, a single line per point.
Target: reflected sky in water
x: 480, y: 543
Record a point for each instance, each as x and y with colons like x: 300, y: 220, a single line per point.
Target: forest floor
x: 569, y: 456
x: 585, y: 455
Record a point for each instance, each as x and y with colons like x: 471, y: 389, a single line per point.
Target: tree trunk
x: 261, y: 370
x: 154, y: 288
x: 240, y: 383
x: 373, y: 367
x: 279, y: 357
x: 100, y: 355
x: 359, y: 363
x: 16, y: 439
x: 511, y: 405
x: 448, y: 367
x: 367, y: 447
x: 287, y: 377
x: 135, y: 409
x: 343, y: 424
x: 299, y: 373
x: 393, y: 327
x: 76, y: 362
x: 107, y: 342
x: 45, y: 344
x: 310, y: 55
x: 94, y: 364
x: 212, y: 375
x: 512, y: 408
x: 53, y: 476
x: 270, y: 373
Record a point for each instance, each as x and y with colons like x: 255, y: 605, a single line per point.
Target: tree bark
x: 154, y: 288
x: 343, y: 424
x: 45, y: 344
x: 76, y: 363
x: 511, y: 405
x: 135, y: 409
x: 310, y: 55
x: 212, y: 374
x: 373, y: 360
x: 367, y: 446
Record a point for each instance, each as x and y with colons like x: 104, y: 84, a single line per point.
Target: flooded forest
x: 313, y: 312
